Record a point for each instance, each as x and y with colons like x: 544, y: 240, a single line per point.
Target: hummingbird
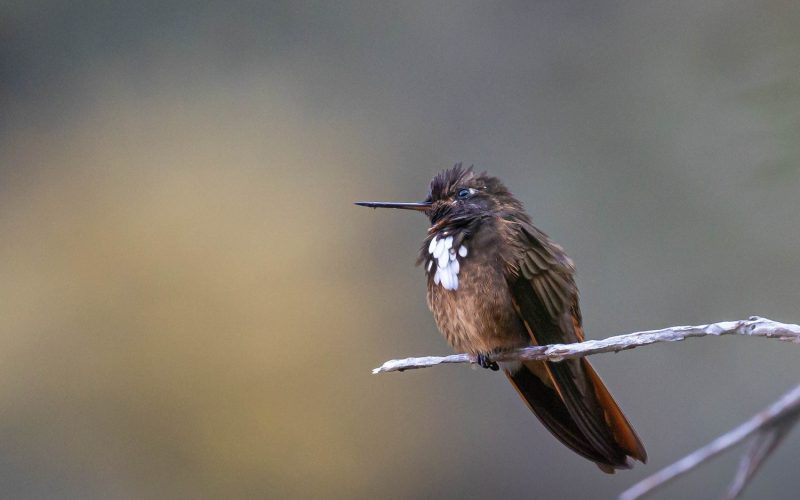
x: 496, y: 283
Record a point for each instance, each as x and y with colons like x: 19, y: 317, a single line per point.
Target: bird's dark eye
x: 463, y: 194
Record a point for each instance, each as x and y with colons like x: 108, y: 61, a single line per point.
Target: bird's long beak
x: 419, y: 206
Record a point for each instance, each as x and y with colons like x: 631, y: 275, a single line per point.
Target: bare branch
x: 761, y: 447
x: 753, y: 327
x: 778, y: 417
x: 768, y: 427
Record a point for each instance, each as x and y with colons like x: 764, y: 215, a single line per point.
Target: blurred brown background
x: 190, y: 305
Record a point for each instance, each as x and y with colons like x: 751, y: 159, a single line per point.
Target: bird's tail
x: 573, y: 403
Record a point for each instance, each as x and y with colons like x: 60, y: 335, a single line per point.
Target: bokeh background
x: 190, y: 305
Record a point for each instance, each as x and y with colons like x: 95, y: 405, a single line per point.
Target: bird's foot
x: 485, y: 361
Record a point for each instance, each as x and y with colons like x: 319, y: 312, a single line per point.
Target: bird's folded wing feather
x: 546, y: 297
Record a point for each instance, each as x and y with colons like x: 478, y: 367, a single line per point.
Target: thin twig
x: 780, y: 413
x: 761, y: 447
x: 754, y: 327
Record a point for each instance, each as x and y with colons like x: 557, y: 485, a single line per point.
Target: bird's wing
x: 545, y: 273
x: 546, y: 298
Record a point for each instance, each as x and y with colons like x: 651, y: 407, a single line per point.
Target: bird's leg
x: 485, y: 361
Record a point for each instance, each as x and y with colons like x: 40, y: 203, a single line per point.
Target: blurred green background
x: 190, y: 305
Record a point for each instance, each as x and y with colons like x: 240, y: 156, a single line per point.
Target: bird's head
x: 459, y: 196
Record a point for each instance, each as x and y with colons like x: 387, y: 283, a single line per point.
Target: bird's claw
x: 485, y: 362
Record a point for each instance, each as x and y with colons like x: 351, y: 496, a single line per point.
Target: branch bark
x: 753, y: 327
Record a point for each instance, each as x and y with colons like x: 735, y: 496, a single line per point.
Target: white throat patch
x: 446, y: 259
